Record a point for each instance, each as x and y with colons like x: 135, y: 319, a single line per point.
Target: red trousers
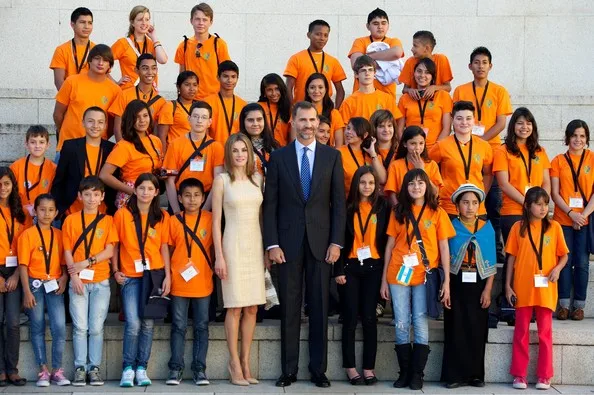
x: 520, y: 347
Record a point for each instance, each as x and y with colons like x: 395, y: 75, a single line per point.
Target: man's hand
x: 276, y: 255
x: 333, y: 254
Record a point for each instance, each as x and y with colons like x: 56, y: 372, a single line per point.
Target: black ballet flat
x: 357, y: 380
x: 370, y: 380
x: 477, y: 383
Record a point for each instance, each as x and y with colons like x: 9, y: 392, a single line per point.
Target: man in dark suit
x: 80, y: 158
x: 304, y: 224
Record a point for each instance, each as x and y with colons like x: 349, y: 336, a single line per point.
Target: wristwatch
x: 92, y: 260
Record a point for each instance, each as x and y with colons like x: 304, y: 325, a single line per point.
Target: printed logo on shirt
x: 587, y: 169
x: 45, y: 183
x: 206, y: 56
x: 427, y: 223
x: 152, y: 232
x: 536, y: 159
x: 326, y: 68
x: 379, y: 107
x: 99, y: 233
x: 374, y: 219
x: 547, y: 240
x: 489, y: 103
x: 203, y: 233
x: 104, y: 99
x: 477, y: 158
x: 235, y: 116
x: 431, y: 105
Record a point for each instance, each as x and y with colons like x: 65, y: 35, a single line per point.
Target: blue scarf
x: 484, y: 244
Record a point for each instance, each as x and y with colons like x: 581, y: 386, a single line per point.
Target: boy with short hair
x: 88, y: 237
x: 367, y: 99
x: 203, y: 52
x: 33, y: 172
x: 146, y: 68
x: 82, y: 91
x: 194, y: 155
x: 71, y: 57
x: 378, y: 24
x: 314, y: 60
x: 226, y: 105
x: 423, y: 44
x: 191, y: 280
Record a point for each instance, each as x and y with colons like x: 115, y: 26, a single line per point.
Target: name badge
x: 410, y: 260
x: 11, y: 261
x: 139, y: 267
x: 527, y: 189
x: 576, y: 202
x: 426, y: 131
x: 469, y: 277
x: 87, y: 274
x: 478, y: 130
x: 189, y: 272
x: 363, y: 253
x: 50, y: 286
x: 404, y: 275
x: 541, y: 281
x: 197, y: 165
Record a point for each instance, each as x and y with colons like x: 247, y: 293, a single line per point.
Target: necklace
x: 467, y: 223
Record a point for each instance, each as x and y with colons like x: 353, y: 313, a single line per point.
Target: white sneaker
x: 127, y: 377
x: 543, y: 384
x: 141, y: 377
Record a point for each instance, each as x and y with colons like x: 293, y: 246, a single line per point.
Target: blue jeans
x: 138, y: 333
x: 57, y: 319
x: 88, y: 312
x: 576, y: 271
x: 402, y: 297
x: 179, y: 323
x: 57, y: 157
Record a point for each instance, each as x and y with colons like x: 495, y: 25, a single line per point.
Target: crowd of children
x: 432, y: 195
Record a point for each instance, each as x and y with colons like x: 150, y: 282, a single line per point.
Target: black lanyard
x: 97, y: 165
x: 575, y: 174
x: 422, y: 110
x: 527, y: 166
x: 272, y: 123
x: 141, y: 239
x: 187, y: 237
x: 46, y: 255
x: 354, y: 157
x: 466, y: 164
x: 93, y: 227
x: 314, y: 62
x: 184, y: 107
x: 143, y: 94
x: 389, y: 157
x: 9, y: 230
x: 154, y: 149
x: 29, y: 188
x: 228, y: 121
x: 200, y: 147
x: 364, y: 228
x: 138, y: 46
x: 471, y: 246
x: 84, y: 58
x: 415, y: 224
x: 479, y: 105
x: 538, y: 251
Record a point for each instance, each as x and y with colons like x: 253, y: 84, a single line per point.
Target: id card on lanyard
x: 49, y: 285
x: 540, y: 280
x: 143, y: 263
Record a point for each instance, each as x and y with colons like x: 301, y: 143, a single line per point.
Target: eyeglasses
x: 198, y: 48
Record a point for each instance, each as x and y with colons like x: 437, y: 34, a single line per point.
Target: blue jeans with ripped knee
x: 410, y: 306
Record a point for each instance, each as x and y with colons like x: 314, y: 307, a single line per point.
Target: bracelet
x: 92, y: 260
x: 570, y: 210
x: 158, y: 45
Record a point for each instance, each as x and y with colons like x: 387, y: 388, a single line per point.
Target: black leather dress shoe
x: 320, y: 380
x: 477, y: 383
x: 286, y: 380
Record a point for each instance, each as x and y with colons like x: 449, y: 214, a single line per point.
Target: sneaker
x: 141, y: 377
x: 43, y: 378
x: 59, y: 379
x: 95, y: 376
x: 80, y: 377
x: 200, y: 378
x: 127, y: 377
x: 174, y: 378
x: 520, y: 383
x: 543, y: 384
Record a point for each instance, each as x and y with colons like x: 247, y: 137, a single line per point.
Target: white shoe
x: 127, y: 377
x: 141, y: 377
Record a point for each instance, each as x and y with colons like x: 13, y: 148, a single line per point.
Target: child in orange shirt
x: 174, y: 118
x: 314, y: 60
x: 323, y: 131
x: 190, y: 244
x: 433, y: 114
x: 316, y: 92
x: 537, y: 254
x: 143, y: 231
x: 89, y: 239
x: 571, y: 188
x: 423, y: 45
x: 202, y: 53
x: 71, y: 57
x: 252, y: 123
x: 406, y: 263
x: 44, y: 278
x: 274, y: 98
x: 384, y: 126
x: 11, y: 210
x: 141, y: 38
x: 34, y: 173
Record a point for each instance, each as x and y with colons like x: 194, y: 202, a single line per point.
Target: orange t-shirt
x: 526, y: 263
x: 360, y: 45
x: 433, y: 111
x: 398, y: 169
x: 129, y: 250
x: 105, y: 234
x: 300, y: 66
x: 127, y: 53
x: 365, y: 104
x: 560, y: 169
x: 39, y: 183
x: 200, y: 285
x: 78, y: 93
x: 64, y: 58
x: 258, y: 161
x: 94, y: 160
x: 30, y: 253
x: 497, y: 102
x: 181, y: 149
x: 518, y: 174
x: 279, y: 127
x: 219, y: 128
x: 433, y: 226
x: 178, y: 121
x: 129, y: 94
x: 134, y: 163
x: 351, y: 163
x: 442, y: 68
x: 368, y: 239
x: 446, y: 154
x: 7, y: 248
x: 206, y: 65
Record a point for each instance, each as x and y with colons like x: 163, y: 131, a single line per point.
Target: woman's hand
x: 385, y: 290
x: 13, y: 282
x: 416, y: 160
x: 166, y: 286
x: 221, y: 268
x: 485, y: 298
x: 445, y: 295
x: 509, y: 294
x: 341, y: 280
x: 77, y: 285
x: 371, y: 149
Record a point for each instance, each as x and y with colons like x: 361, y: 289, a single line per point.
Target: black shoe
x: 419, y: 360
x: 357, y: 380
x: 221, y: 317
x: 16, y: 380
x: 320, y: 380
x: 477, y: 383
x: 403, y: 353
x: 370, y: 380
x: 452, y: 385
x: 286, y: 380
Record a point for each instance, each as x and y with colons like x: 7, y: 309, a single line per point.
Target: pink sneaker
x: 520, y: 383
x: 43, y: 378
x: 59, y: 379
x: 543, y: 384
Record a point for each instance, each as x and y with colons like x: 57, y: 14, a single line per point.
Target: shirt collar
x: 299, y: 146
